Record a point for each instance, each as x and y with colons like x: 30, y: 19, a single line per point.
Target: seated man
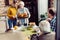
x: 52, y: 19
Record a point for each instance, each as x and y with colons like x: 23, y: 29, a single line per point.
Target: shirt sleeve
x: 53, y: 24
x: 18, y: 12
x: 27, y: 10
x: 8, y: 13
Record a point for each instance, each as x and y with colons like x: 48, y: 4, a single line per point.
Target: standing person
x: 52, y: 19
x: 23, y: 14
x: 11, y: 14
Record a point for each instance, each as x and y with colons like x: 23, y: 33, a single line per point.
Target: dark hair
x: 51, y: 12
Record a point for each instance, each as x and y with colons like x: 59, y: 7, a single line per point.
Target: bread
x: 23, y: 15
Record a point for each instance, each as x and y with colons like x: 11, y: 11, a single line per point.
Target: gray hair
x: 44, y: 26
x: 21, y: 2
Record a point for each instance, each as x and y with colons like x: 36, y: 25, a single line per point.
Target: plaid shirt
x: 53, y: 24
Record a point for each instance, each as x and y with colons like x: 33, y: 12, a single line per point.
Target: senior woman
x: 23, y: 14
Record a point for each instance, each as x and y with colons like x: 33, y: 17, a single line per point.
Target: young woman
x: 11, y: 14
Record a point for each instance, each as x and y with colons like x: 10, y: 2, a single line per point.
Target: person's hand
x: 48, y: 19
x: 14, y: 16
x: 41, y: 33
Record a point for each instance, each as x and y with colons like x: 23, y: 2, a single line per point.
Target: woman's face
x: 13, y: 5
x: 21, y: 6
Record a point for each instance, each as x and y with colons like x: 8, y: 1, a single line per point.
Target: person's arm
x: 9, y: 13
x: 53, y: 25
x: 18, y: 13
x: 40, y: 26
x: 27, y: 10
